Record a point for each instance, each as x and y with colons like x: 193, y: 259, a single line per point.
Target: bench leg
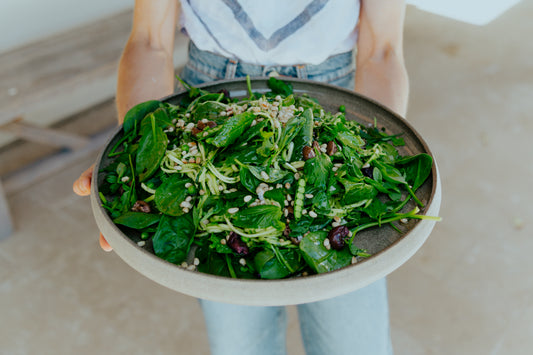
x: 6, y: 224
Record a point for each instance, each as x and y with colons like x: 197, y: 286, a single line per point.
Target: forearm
x: 380, y: 70
x: 384, y: 80
x: 146, y: 68
x: 144, y: 73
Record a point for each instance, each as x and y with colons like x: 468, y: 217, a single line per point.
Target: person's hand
x: 82, y: 187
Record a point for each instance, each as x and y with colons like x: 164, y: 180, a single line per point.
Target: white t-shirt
x: 295, y: 32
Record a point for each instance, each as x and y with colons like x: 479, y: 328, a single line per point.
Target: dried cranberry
x: 331, y: 148
x: 336, y: 237
x: 308, y: 152
x: 201, y: 125
x: 287, y: 230
x: 237, y: 245
x: 225, y: 92
x: 368, y: 172
x: 141, y: 206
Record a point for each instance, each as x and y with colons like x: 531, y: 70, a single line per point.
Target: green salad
x: 269, y: 186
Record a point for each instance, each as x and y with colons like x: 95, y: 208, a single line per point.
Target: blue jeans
x: 203, y: 67
x: 355, y: 323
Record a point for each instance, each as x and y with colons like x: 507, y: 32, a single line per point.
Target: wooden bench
x: 51, y: 80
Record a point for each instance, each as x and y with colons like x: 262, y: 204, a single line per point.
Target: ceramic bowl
x: 389, y: 248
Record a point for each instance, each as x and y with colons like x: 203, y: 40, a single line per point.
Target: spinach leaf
x: 267, y: 174
x: 173, y: 238
x: 376, y: 209
x: 248, y: 180
x: 138, y: 112
x: 137, y: 220
x: 251, y: 132
x: 305, y: 101
x: 317, y: 170
x: 357, y: 191
x: 305, y: 135
x: 307, y: 224
x: 321, y: 201
x: 160, y: 117
x: 226, y: 265
x: 170, y: 194
x: 291, y: 129
x: 374, y: 135
x: 268, y: 146
x: 416, y: 169
x: 319, y: 258
x: 277, y: 195
x: 213, y: 263
x: 277, y: 263
x: 349, y: 139
x: 259, y: 217
x: 279, y: 87
x: 390, y: 173
x: 209, y: 110
x: 152, y: 148
x: 232, y: 129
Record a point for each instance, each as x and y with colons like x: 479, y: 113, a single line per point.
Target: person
x: 354, y: 44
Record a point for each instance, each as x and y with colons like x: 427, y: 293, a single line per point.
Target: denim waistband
x: 203, y: 66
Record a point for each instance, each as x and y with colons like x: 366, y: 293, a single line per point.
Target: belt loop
x: 301, y: 71
x: 231, y: 69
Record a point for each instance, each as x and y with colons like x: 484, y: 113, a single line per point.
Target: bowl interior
x: 385, y: 243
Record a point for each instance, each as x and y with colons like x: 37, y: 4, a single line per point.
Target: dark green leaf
x: 137, y: 220
x: 291, y: 129
x: 272, y: 174
x: 248, y: 179
x: 171, y: 194
x: 152, y: 148
x: 209, y: 110
x: 279, y: 87
x: 138, y: 112
x: 173, y: 238
x: 277, y: 263
x: 213, y: 263
x: 390, y: 173
x: 349, y: 139
x: 259, y: 217
x: 231, y: 129
x: 357, y: 191
x: 416, y: 169
x: 376, y: 209
x: 160, y: 118
x: 317, y: 170
x: 277, y: 195
x: 321, y: 201
x: 319, y: 258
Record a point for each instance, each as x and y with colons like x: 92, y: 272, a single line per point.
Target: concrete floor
x: 467, y: 291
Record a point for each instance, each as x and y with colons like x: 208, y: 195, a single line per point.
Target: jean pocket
x: 338, y: 70
x: 196, y: 75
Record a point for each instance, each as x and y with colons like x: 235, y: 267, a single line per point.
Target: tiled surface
x: 467, y: 291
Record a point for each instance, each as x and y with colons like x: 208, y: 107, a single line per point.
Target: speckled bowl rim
x: 289, y: 291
